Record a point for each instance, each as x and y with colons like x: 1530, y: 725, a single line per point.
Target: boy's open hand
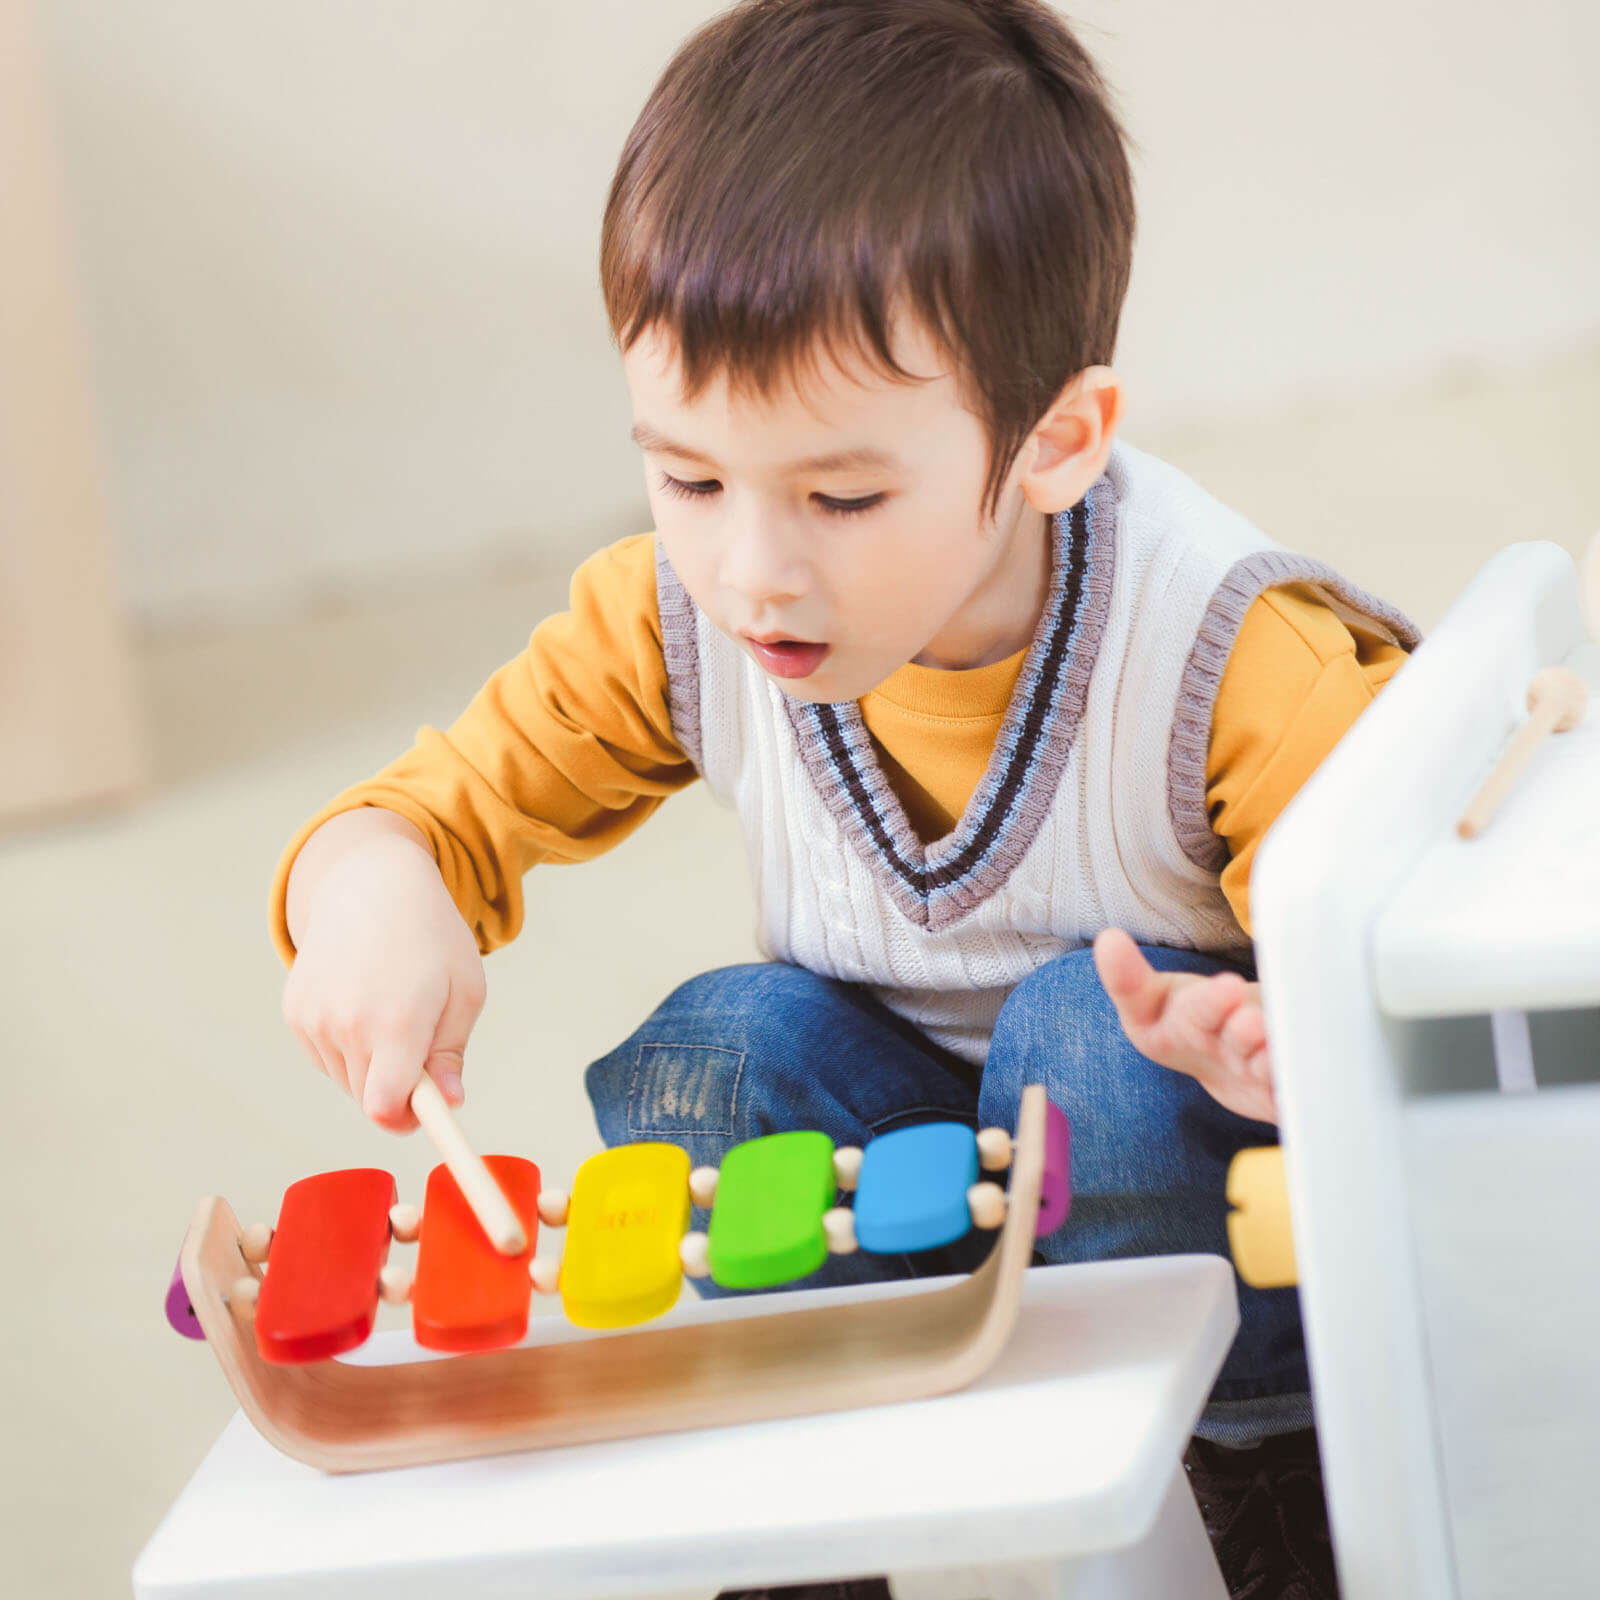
x: 387, y: 981
x: 1209, y: 1027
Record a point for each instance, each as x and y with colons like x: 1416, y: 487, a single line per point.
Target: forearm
x: 335, y: 840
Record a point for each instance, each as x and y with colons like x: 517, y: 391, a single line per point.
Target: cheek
x: 694, y: 561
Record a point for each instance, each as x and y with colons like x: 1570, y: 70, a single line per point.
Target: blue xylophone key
x: 912, y: 1192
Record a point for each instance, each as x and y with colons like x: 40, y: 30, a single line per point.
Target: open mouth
x: 787, y: 658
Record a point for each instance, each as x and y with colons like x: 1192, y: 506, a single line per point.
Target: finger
x: 447, y: 1054
x: 357, y: 1064
x: 328, y: 1062
x: 1215, y: 1002
x: 1135, y: 987
x: 1245, y: 1030
x: 445, y: 1067
x: 334, y: 1063
x: 397, y: 1059
x: 310, y: 1049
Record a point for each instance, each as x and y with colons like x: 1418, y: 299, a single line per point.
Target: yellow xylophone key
x: 629, y: 1209
x: 1258, y: 1231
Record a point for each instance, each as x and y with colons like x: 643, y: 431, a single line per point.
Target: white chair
x: 1448, y: 1229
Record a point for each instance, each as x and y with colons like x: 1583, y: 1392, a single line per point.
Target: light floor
x: 139, y: 1013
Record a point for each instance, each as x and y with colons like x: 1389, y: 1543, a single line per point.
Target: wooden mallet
x: 1557, y: 700
x: 477, y: 1184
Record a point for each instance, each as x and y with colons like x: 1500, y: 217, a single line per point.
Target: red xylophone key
x: 467, y: 1296
x: 320, y: 1293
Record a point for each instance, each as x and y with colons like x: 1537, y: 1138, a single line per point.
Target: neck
x: 1000, y: 616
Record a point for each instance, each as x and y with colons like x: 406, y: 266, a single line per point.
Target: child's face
x: 833, y: 573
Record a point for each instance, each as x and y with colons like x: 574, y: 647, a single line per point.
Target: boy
x: 1003, y: 706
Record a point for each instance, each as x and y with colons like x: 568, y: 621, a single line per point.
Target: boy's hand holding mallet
x: 387, y: 981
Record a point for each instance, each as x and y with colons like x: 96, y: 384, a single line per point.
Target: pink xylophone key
x: 320, y: 1293
x: 467, y: 1296
x: 1055, y: 1186
x: 179, y: 1312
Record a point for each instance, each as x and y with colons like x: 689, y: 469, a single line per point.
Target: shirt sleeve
x: 1295, y: 682
x: 561, y: 755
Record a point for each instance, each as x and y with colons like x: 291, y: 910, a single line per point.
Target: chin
x: 828, y: 688
x: 817, y: 690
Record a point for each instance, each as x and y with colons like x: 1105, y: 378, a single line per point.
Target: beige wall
x: 339, y: 260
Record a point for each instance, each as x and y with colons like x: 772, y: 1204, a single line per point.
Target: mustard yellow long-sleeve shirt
x: 569, y: 746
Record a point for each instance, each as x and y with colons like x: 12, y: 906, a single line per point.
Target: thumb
x: 446, y: 1054
x: 1135, y: 987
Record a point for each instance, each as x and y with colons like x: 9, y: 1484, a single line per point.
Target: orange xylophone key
x: 466, y: 1295
x: 320, y: 1293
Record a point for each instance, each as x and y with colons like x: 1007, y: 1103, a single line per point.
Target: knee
x: 1059, y: 1027
x: 686, y: 1073
x: 1051, y: 1030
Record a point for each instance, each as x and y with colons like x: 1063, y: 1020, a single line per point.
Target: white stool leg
x: 1021, y: 1580
x: 1172, y: 1562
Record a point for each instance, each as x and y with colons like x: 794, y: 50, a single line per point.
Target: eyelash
x: 837, y: 508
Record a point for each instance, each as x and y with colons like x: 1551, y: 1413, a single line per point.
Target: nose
x: 763, y: 564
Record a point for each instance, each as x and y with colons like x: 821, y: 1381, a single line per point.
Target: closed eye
x: 688, y: 491
x: 848, y: 508
x: 704, y: 488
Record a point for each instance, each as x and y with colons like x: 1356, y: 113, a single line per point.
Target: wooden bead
x: 394, y: 1284
x: 546, y: 1275
x: 405, y: 1222
x: 994, y: 1149
x: 847, y: 1166
x: 693, y: 1253
x: 703, y: 1185
x: 839, y: 1224
x: 553, y: 1207
x: 987, y: 1202
x: 243, y: 1295
x: 255, y: 1242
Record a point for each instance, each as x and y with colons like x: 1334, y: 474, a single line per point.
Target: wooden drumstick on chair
x: 1557, y: 700
x: 477, y: 1184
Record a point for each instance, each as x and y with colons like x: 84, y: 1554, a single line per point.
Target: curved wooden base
x: 341, y: 1417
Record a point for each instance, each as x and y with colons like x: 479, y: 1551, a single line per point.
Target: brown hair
x: 803, y: 166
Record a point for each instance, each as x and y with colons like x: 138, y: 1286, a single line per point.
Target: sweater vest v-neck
x: 1091, y: 813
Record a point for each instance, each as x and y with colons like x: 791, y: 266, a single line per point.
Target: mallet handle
x: 1557, y: 699
x: 478, y: 1187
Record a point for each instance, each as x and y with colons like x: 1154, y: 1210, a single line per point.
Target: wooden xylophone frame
x: 343, y: 1417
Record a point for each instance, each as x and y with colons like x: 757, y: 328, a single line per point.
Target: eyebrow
x: 647, y: 438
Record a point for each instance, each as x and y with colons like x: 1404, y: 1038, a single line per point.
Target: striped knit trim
x: 680, y: 646
x: 935, y: 885
x: 1197, y: 693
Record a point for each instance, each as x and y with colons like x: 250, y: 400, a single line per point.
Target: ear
x: 1072, y: 442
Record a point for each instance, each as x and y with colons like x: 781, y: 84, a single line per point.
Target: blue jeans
x: 744, y: 1051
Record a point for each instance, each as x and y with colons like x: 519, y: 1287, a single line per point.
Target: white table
x: 1058, y: 1474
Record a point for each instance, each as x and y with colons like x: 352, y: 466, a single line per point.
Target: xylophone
x: 280, y: 1305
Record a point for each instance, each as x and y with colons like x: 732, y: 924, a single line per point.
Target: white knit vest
x: 1092, y: 811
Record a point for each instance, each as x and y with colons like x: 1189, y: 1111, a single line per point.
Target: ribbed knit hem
x: 680, y: 649
x: 1202, y: 676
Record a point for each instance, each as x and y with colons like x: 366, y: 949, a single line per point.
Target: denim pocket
x: 684, y: 1089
